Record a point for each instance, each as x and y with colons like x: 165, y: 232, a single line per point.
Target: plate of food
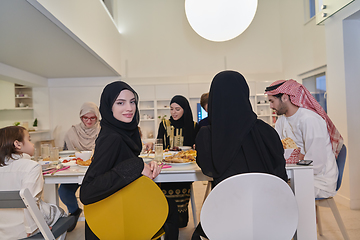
x: 181, y: 158
x: 82, y: 163
x: 178, y: 163
x: 145, y: 155
x: 68, y: 161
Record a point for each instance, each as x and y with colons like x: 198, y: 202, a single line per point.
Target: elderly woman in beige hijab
x: 80, y: 137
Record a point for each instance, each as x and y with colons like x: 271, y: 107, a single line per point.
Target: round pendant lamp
x: 220, y: 20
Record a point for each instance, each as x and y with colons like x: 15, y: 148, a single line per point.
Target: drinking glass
x: 45, y: 151
x: 158, y: 150
x: 54, y: 154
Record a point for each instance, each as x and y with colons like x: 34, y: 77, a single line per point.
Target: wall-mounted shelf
x: 18, y: 108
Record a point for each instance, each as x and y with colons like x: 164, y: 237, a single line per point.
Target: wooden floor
x: 331, y: 231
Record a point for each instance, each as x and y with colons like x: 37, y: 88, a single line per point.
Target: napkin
x: 292, y: 155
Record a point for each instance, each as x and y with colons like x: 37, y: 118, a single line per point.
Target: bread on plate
x: 288, y: 143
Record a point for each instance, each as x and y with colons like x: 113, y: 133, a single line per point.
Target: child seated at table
x: 18, y: 171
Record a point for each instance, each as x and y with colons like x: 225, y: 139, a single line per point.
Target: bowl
x: 84, y: 155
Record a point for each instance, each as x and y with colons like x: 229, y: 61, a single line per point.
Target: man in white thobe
x: 301, y: 121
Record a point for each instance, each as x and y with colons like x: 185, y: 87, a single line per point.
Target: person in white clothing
x: 18, y: 171
x: 304, y: 120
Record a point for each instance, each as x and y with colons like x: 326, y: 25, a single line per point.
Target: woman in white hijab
x: 80, y: 137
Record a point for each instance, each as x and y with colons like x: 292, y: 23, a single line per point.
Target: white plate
x: 145, y: 155
x: 177, y: 164
x: 82, y: 166
x: 185, y: 148
x: 68, y: 152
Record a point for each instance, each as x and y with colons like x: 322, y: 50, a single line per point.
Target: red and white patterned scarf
x: 301, y: 97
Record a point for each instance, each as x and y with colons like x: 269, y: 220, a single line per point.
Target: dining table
x: 301, y: 182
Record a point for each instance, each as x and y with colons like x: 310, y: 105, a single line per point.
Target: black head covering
x: 236, y: 141
x: 230, y: 115
x: 186, y: 121
x: 128, y: 131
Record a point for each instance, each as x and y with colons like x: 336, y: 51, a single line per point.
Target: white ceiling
x: 31, y: 42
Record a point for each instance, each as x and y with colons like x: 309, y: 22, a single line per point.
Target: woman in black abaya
x: 179, y: 130
x: 115, y: 162
x: 236, y: 141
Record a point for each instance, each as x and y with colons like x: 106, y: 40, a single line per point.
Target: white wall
x: 343, y: 51
x: 99, y: 33
x: 66, y: 98
x: 157, y: 41
x: 303, y: 44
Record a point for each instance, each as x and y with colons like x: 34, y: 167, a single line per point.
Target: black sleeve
x: 113, y: 167
x: 162, y: 134
x: 203, y: 148
x: 196, y: 129
x: 275, y: 150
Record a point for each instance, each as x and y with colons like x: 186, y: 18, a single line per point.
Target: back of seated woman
x: 18, y: 171
x: 236, y: 141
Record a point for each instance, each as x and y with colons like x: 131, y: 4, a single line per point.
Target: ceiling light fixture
x: 220, y: 20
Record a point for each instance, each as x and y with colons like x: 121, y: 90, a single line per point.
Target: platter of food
x: 181, y: 158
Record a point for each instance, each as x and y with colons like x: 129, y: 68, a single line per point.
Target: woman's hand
x: 149, y: 146
x: 155, y: 168
x: 151, y: 170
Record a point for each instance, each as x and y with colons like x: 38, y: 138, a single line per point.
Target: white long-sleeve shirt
x: 18, y: 174
x: 309, y: 131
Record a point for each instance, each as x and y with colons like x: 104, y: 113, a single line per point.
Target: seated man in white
x: 305, y: 121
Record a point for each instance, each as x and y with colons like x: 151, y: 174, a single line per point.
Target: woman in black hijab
x: 179, y: 130
x: 236, y: 141
x: 115, y: 161
x: 185, y: 129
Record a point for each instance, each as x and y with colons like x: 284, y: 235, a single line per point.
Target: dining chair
x: 24, y: 199
x: 251, y: 206
x: 137, y: 211
x: 330, y: 202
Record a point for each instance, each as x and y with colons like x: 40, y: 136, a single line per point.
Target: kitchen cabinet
x: 23, y: 97
x: 11, y: 95
x: 7, y: 93
x: 260, y: 103
x: 151, y: 114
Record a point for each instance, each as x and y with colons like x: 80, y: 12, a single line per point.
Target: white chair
x: 24, y: 199
x: 330, y: 202
x: 251, y: 206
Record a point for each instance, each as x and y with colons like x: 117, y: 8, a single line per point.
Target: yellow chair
x: 137, y: 211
